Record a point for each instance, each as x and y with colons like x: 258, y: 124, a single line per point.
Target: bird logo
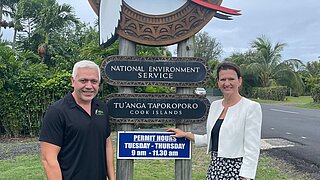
x: 110, y: 15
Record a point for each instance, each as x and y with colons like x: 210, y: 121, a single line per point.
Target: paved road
x: 298, y: 125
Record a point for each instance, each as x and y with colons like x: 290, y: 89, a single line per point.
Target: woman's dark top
x: 215, y: 135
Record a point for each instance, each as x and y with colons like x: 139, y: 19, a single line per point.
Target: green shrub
x: 277, y: 93
x: 316, y: 93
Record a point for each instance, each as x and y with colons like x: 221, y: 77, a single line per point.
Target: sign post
x: 125, y: 166
x: 183, y: 167
x: 160, y: 23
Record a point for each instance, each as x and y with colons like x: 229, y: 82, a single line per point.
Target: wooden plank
x: 183, y: 167
x: 125, y: 166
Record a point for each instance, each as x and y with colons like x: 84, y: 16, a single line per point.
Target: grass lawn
x: 22, y: 167
x: 30, y: 168
x: 302, y: 102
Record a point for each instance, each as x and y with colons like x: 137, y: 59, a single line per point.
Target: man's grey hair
x: 85, y: 63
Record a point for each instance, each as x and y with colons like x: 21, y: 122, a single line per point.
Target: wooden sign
x: 157, y: 108
x: 151, y: 71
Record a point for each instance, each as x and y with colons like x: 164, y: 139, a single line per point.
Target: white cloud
x: 293, y: 22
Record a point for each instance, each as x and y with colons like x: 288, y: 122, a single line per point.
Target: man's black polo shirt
x: 82, y: 138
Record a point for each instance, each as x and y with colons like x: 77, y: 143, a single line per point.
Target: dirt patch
x: 292, y: 165
x: 12, y: 147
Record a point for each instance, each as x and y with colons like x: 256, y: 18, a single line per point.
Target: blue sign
x: 152, y: 145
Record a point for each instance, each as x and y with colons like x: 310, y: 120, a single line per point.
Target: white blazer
x: 239, y: 134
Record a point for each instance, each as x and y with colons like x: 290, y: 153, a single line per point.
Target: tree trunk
x: 1, y: 17
x: 14, y: 40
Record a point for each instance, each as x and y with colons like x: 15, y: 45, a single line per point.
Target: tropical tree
x: 90, y: 48
x: 243, y: 60
x: 207, y: 47
x: 8, y: 9
x: 15, y: 22
x: 41, y: 20
x: 314, y: 68
x: 270, y: 70
x: 153, y: 51
x: 212, y: 82
x: 27, y: 11
x: 311, y: 75
x: 4, y: 4
x: 53, y: 17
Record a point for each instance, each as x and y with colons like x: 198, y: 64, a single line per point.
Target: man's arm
x: 49, y: 156
x: 110, y: 161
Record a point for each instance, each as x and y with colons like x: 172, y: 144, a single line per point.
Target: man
x: 75, y: 134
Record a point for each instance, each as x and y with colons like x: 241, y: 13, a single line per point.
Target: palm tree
x: 51, y: 18
x: 3, y: 6
x: 270, y: 70
x: 13, y: 12
x: 6, y: 9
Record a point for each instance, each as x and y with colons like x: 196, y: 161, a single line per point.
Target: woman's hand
x: 179, y: 132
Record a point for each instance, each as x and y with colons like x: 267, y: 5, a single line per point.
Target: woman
x: 233, y: 130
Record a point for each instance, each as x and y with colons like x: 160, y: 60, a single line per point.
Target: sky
x: 294, y: 22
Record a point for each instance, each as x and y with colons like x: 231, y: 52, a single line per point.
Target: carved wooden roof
x: 160, y: 30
